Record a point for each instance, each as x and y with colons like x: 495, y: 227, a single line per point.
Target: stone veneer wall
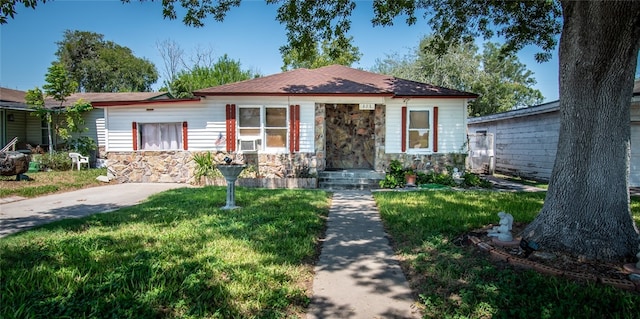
x: 319, y: 137
x: 179, y: 167
x: 151, y: 166
x: 440, y: 163
x: 381, y: 161
x: 284, y: 165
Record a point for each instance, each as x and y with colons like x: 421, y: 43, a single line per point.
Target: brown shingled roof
x: 9, y: 95
x: 110, y: 98
x: 332, y: 80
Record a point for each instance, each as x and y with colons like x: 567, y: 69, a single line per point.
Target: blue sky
x: 249, y: 34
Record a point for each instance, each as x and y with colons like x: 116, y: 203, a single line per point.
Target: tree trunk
x: 586, y: 210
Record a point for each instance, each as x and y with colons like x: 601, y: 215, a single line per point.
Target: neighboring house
x: 16, y: 119
x: 523, y: 142
x: 331, y: 118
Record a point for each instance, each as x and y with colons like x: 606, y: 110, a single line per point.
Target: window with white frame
x: 262, y: 127
x: 160, y: 136
x: 419, y: 130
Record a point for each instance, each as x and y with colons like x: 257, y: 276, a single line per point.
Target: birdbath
x: 230, y: 173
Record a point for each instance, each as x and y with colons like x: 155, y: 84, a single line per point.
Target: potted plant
x: 410, y: 176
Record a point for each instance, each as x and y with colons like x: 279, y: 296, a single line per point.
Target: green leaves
x: 59, y: 85
x: 103, y: 66
x: 224, y: 71
x: 496, y: 74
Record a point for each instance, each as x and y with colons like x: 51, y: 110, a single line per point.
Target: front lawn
x: 177, y: 255
x: 42, y: 183
x: 454, y: 281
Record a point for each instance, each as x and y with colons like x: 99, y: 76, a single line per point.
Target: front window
x: 160, y: 136
x: 276, y: 127
x: 419, y: 130
x: 260, y: 123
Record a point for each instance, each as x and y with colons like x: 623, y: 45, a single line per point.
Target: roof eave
x: 235, y: 94
x: 435, y: 96
x: 126, y: 103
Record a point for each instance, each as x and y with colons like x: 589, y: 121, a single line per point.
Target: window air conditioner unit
x: 248, y: 145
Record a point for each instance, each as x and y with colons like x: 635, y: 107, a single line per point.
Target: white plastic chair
x: 77, y: 159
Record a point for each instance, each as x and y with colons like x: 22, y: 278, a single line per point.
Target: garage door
x: 634, y: 178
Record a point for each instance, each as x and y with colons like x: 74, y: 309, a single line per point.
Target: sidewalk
x: 357, y: 275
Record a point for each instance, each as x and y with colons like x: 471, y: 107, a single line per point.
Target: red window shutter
x: 291, y: 128
x: 134, y: 132
x: 403, y: 135
x: 294, y: 128
x: 185, y: 146
x: 297, y: 128
x: 231, y: 127
x: 435, y: 129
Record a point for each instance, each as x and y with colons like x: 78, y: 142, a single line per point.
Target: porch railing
x: 11, y: 145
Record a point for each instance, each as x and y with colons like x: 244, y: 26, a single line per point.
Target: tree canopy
x: 326, y: 53
x: 223, y: 71
x: 103, y: 66
x: 502, y: 82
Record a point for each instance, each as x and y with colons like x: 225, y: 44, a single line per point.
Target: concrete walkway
x: 357, y: 275
x: 23, y: 214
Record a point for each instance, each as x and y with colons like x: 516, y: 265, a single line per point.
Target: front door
x: 350, y: 137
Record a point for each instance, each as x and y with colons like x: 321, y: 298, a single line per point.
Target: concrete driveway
x: 23, y: 214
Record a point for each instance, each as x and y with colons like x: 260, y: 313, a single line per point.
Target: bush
x: 395, y: 176
x: 83, y: 145
x: 205, y: 166
x: 473, y: 180
x: 56, y: 161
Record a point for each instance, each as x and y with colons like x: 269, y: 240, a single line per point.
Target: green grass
x: 177, y: 255
x: 458, y: 282
x: 42, y: 183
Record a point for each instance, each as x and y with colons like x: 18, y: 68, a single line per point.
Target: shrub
x: 56, y: 161
x: 395, y: 178
x: 205, y: 166
x: 83, y: 145
x: 473, y: 180
x: 395, y: 175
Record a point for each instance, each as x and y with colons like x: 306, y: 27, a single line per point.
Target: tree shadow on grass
x: 158, y: 258
x: 460, y: 281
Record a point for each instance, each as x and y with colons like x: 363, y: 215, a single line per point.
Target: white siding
x: 452, y: 128
x: 307, y: 126
x: 94, y: 122
x: 452, y: 131
x: 206, y: 121
x: 101, y: 131
x: 524, y: 146
x: 200, y: 119
x: 393, y: 130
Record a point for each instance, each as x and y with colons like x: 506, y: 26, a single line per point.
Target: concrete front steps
x: 357, y: 179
